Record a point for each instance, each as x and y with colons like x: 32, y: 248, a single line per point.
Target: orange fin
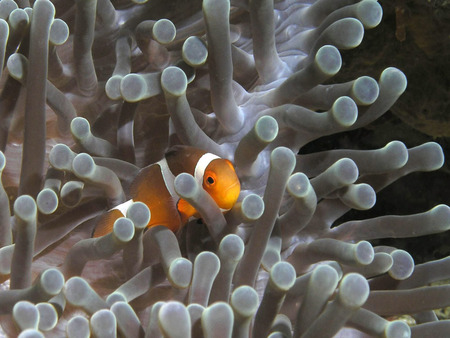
x: 105, y: 223
x: 141, y: 183
x: 186, y: 210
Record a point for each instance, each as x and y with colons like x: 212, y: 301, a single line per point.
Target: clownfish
x: 154, y: 186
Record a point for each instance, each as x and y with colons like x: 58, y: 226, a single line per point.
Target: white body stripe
x: 168, y: 177
x: 202, y: 163
x: 123, y: 208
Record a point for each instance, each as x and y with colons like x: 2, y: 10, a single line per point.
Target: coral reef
x: 93, y: 91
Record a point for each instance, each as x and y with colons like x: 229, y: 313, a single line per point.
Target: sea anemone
x: 91, y: 97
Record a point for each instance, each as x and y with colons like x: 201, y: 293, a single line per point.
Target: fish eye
x: 210, y: 180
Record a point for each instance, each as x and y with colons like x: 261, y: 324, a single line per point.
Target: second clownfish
x: 154, y: 186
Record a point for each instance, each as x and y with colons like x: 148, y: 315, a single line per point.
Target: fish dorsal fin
x: 183, y: 159
x: 147, y: 178
x: 139, y: 183
x: 150, y: 179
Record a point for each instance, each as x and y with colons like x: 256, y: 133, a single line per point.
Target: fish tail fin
x: 105, y: 223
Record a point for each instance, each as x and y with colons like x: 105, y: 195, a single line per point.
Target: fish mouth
x: 231, y: 196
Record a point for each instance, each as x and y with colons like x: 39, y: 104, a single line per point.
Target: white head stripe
x: 123, y: 208
x: 202, y: 163
x: 168, y: 177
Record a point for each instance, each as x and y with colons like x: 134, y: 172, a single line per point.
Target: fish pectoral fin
x: 105, y: 223
x: 186, y: 210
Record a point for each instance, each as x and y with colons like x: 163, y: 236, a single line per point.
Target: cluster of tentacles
x: 90, y: 97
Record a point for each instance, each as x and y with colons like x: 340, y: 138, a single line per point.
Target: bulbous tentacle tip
x: 164, y: 31
x: 324, y: 277
x: 369, y: 13
x: 123, y: 229
x: 61, y: 157
x: 112, y: 89
x: 25, y: 315
x: 346, y: 33
x: 132, y: 87
x: 25, y: 208
x: 231, y: 246
x: 83, y: 165
x: 52, y: 281
x: 80, y: 127
x: 71, y: 193
x: 244, y: 301
x: 17, y: 65
x: 393, y: 80
x: 441, y: 214
x: 397, y: 328
x: 81, y: 132
x: 328, y: 60
x: 252, y: 207
x: 48, y: 316
x: 47, y: 201
x: 433, y: 156
x: 365, y: 90
x: 128, y: 322
x: 59, y: 32
x: 344, y: 111
x: 194, y: 51
x: 364, y: 253
x: 173, y: 318
x: 403, y: 265
x: 186, y: 186
x: 206, y: 268
x: 74, y: 290
x: 31, y: 333
x: 282, y: 276
x: 18, y: 18
x: 353, y: 290
x: 78, y: 326
x: 266, y: 129
x: 103, y: 323
x: 174, y: 81
x: 180, y: 273
x: 298, y: 185
x: 347, y: 170
x: 397, y: 152
x: 217, y: 315
x: 115, y: 297
x: 139, y: 214
x: 282, y: 158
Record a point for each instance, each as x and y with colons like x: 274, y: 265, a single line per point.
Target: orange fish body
x: 154, y: 186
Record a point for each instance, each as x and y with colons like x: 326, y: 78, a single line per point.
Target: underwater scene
x: 224, y: 168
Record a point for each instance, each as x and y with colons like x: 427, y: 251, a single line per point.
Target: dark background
x: 414, y: 37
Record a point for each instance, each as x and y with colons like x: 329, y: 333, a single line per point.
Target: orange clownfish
x: 154, y: 186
